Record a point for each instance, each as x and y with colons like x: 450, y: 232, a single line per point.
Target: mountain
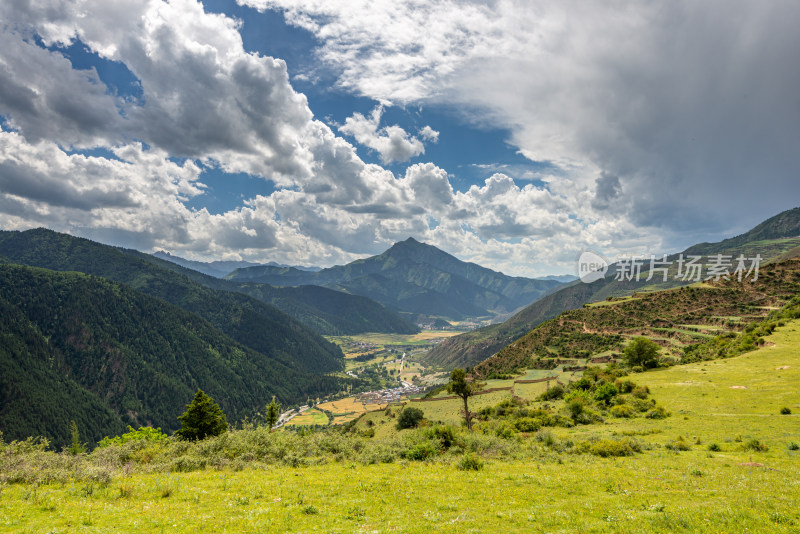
x: 770, y: 239
x: 563, y: 278
x: 417, y: 278
x: 217, y: 269
x: 685, y: 321
x: 245, y: 319
x: 79, y: 347
x: 325, y: 311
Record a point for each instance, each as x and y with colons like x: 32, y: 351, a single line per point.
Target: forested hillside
x: 75, y: 346
x: 215, y: 299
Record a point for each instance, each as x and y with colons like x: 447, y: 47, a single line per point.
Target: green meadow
x: 726, y: 460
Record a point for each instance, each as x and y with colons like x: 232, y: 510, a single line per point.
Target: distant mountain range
x: 415, y: 278
x: 770, y: 239
x: 219, y: 269
x: 324, y: 310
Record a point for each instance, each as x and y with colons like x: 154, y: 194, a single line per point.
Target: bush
x: 470, y: 462
x: 657, y: 413
x: 641, y: 392
x: 641, y: 405
x: 623, y: 410
x: 553, y: 393
x: 793, y: 446
x: 444, y: 434
x: 679, y: 444
x: 785, y: 410
x: 605, y: 393
x: 714, y: 447
x: 409, y: 417
x: 607, y: 448
x: 755, y: 446
x: 527, y: 424
x: 143, y: 433
x: 504, y: 430
x: 625, y: 386
x: 421, y: 451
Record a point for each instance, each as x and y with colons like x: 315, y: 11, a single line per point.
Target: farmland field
x: 309, y: 417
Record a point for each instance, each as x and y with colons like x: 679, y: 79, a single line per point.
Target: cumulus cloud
x: 684, y: 102
x: 392, y: 143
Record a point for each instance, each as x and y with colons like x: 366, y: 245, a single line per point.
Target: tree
x: 273, y: 413
x: 459, y: 386
x: 409, y: 418
x: 202, y: 418
x: 642, y: 352
x: 76, y: 447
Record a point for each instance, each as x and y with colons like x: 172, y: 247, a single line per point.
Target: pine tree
x: 76, y: 447
x: 273, y: 413
x: 202, y: 418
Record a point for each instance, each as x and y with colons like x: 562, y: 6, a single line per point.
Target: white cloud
x: 207, y: 100
x: 392, y: 143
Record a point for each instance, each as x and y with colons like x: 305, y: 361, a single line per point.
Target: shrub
x: 641, y: 392
x: 625, y: 386
x: 553, y: 393
x: 793, y: 446
x: 421, y: 451
x: 641, y: 405
x: 527, y: 424
x: 785, y: 410
x: 608, y: 447
x: 755, y: 446
x: 623, y: 410
x: 714, y: 447
x: 409, y: 417
x: 605, y: 393
x: 470, y: 462
x: 143, y: 433
x: 678, y: 444
x: 504, y: 430
x: 657, y: 413
x: 444, y: 434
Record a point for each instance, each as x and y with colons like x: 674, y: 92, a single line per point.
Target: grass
x: 584, y: 493
x: 732, y: 486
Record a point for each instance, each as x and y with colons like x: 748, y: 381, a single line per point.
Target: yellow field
x: 308, y: 418
x: 342, y: 406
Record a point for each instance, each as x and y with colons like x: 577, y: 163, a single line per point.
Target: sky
x: 515, y: 134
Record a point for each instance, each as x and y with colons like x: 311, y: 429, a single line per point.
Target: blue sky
x: 512, y: 134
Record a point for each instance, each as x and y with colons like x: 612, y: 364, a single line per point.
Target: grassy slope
x: 656, y: 491
x: 674, y: 318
